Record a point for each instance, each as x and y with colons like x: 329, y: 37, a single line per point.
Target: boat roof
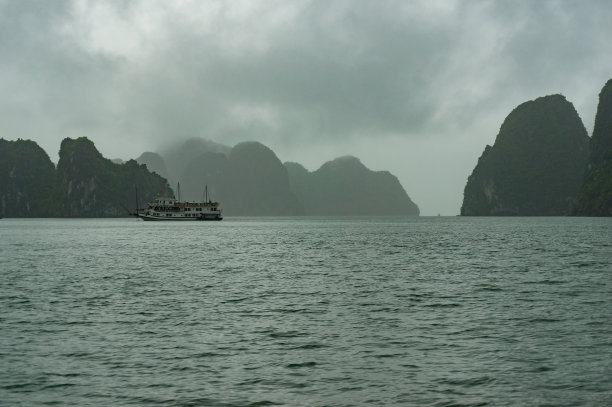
x: 174, y: 201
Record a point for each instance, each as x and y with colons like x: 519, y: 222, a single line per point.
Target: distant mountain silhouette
x: 536, y: 165
x: 154, y: 163
x: 258, y: 184
x: 250, y: 181
x: 345, y: 186
x: 207, y: 170
x: 27, y: 180
x: 595, y: 197
x: 177, y: 157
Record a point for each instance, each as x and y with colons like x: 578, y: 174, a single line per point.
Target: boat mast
x: 137, y: 205
x: 206, y: 192
x: 178, y: 188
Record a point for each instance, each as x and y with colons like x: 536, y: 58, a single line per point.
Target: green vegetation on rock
x: 595, y: 197
x: 85, y: 184
x: 89, y: 185
x: 535, y: 166
x: 27, y: 180
x: 596, y: 194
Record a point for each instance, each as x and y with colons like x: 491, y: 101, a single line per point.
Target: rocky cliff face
x: 601, y: 142
x: 345, y: 186
x: 535, y: 166
x: 595, y: 197
x: 27, y: 179
x: 89, y: 185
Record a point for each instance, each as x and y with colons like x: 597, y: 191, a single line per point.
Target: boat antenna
x: 137, y: 205
x: 206, y: 192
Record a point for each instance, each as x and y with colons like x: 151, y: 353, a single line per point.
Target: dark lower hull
x: 179, y: 218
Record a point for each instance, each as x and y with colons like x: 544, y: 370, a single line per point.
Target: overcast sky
x: 414, y: 87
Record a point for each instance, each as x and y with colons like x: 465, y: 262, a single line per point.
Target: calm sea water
x: 306, y: 312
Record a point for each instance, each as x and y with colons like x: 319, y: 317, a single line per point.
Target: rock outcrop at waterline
x: 84, y: 184
x: 536, y: 165
x: 595, y: 197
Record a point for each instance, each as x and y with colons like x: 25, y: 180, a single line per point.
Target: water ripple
x: 318, y: 312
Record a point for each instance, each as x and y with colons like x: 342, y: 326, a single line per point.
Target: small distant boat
x: 164, y: 208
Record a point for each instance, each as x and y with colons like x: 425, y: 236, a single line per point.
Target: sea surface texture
x: 306, y: 312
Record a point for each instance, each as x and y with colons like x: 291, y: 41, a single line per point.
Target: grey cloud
x: 293, y: 73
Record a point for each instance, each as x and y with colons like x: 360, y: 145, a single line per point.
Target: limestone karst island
x: 248, y: 180
x: 543, y: 163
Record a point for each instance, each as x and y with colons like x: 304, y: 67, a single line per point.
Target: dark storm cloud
x: 50, y: 87
x: 132, y: 75
x: 332, y: 77
x: 330, y: 71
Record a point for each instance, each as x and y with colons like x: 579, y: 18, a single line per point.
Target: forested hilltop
x: 536, y: 165
x: 84, y: 184
x: 27, y: 180
x: 544, y: 163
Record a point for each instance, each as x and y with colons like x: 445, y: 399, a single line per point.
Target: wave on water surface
x: 306, y: 311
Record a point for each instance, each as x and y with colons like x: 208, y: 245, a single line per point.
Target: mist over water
x: 306, y: 311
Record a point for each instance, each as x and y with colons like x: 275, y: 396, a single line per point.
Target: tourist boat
x: 164, y: 208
